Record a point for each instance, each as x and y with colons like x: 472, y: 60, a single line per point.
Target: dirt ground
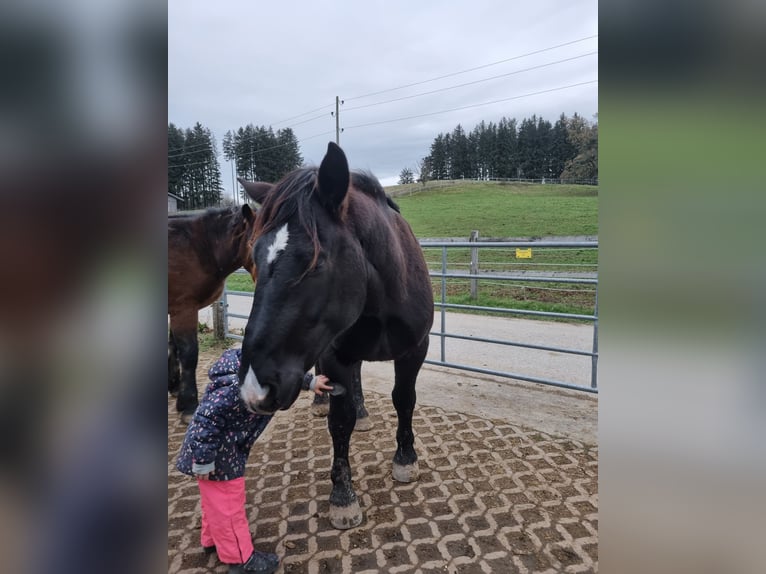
x: 493, y: 496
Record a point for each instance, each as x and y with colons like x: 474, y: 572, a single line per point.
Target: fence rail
x: 442, y: 274
x: 410, y: 188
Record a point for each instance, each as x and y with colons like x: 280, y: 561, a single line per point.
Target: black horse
x: 203, y: 249
x: 341, y: 279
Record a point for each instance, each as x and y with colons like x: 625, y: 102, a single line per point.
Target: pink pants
x: 224, y: 521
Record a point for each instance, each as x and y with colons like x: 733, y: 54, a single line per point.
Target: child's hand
x: 321, y: 384
x: 202, y: 476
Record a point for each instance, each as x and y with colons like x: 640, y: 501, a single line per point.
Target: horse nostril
x: 252, y: 391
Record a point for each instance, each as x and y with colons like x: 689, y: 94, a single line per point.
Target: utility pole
x: 337, y: 120
x: 234, y: 185
x: 336, y: 113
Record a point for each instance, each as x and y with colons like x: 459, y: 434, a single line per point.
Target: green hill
x: 501, y: 210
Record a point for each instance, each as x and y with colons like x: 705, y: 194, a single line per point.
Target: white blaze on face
x: 251, y: 391
x: 279, y: 244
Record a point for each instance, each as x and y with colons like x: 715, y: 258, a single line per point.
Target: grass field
x: 498, y: 211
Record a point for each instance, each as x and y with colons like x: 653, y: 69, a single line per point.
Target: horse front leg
x: 345, y: 512
x: 406, y: 371
x: 184, y: 328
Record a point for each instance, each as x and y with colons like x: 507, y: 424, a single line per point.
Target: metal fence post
x: 444, y: 301
x: 474, y: 265
x: 594, y: 364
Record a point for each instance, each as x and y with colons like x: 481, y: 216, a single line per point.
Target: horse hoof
x: 405, y: 472
x: 363, y: 424
x: 345, y: 517
x: 186, y: 418
x: 320, y: 409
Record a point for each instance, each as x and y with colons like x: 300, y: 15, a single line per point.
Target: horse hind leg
x: 185, y: 334
x: 363, y: 422
x: 174, y: 367
x: 406, y: 369
x: 320, y: 406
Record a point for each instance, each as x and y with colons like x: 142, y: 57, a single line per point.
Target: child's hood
x: 224, y: 371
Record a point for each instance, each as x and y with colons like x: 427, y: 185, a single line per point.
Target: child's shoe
x: 259, y: 563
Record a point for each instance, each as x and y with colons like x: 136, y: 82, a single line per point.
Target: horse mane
x: 219, y: 221
x: 209, y: 213
x: 367, y: 183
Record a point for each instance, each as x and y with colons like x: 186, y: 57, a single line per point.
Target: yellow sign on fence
x: 524, y: 253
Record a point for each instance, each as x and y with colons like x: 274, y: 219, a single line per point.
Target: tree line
x: 259, y: 154
x: 532, y: 149
x: 193, y: 172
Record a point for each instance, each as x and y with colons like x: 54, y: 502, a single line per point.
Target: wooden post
x: 218, y: 321
x: 474, y: 265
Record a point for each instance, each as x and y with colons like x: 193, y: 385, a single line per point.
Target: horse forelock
x: 291, y: 198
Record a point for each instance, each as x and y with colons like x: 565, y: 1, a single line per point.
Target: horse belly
x: 404, y: 336
x: 379, y: 339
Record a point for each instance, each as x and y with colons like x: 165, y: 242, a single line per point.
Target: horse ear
x: 257, y: 190
x: 247, y: 213
x: 333, y: 178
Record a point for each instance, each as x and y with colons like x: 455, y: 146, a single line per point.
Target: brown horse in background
x: 203, y: 249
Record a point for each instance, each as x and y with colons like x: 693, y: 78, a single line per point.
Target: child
x: 215, y: 450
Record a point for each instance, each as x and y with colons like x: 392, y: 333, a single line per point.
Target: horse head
x: 311, y: 280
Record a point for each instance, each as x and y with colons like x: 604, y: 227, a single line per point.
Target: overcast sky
x: 243, y: 61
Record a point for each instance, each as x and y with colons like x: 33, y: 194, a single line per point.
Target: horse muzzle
x: 265, y: 398
x: 258, y: 398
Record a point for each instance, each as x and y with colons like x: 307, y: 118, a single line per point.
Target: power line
x: 473, y: 82
x: 188, y: 150
x: 191, y: 149
x: 200, y: 145
x: 326, y: 106
x: 403, y: 118
x: 324, y: 115
x: 471, y: 106
x: 317, y: 135
x: 303, y: 114
x: 400, y: 119
x: 208, y: 161
x: 472, y: 69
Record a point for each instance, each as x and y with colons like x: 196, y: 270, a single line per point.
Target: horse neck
x: 379, y: 238
x: 224, y: 250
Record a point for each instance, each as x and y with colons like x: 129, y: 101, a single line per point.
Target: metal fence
x: 442, y: 274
